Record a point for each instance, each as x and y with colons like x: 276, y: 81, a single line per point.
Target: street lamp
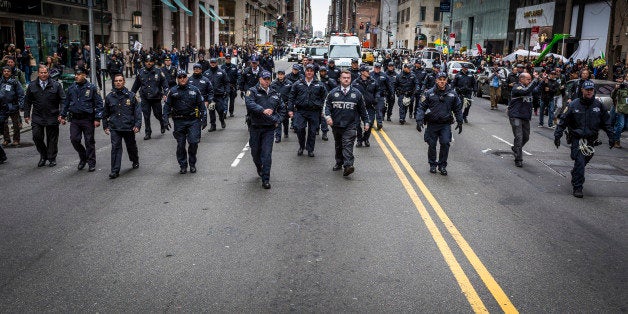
x: 137, y: 19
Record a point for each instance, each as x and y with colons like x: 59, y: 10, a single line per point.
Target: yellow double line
x: 463, y: 281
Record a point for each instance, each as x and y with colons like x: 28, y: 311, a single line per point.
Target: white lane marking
x: 75, y: 162
x: 503, y: 140
x: 240, y: 156
x: 486, y: 150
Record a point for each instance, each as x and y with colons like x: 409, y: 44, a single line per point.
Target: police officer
x: 122, y: 118
x: 170, y: 72
x: 332, y: 71
x: 206, y: 89
x: 220, y: 82
x: 153, y: 86
x: 420, y: 73
x: 204, y: 63
x: 430, y: 79
x: 282, y: 86
x: 405, y: 87
x: 266, y: 110
x: 369, y: 88
x: 464, y: 84
x: 16, y: 120
x: 305, y: 104
x: 267, y: 63
x: 435, y: 109
x: 250, y: 76
x: 11, y: 100
x: 184, y: 104
x: 329, y: 85
x: 355, y: 69
x: 520, y: 113
x: 584, y: 118
x: 234, y: 76
x: 385, y: 88
x: 390, y: 98
x: 114, y: 66
x: 513, y: 78
x: 83, y: 107
x: 575, y: 91
x: 295, y: 74
x: 45, y: 97
x: 342, y: 104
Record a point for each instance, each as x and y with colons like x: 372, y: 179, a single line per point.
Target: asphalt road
x: 390, y: 238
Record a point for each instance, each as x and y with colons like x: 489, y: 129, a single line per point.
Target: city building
x: 483, y: 22
x: 418, y: 23
x: 367, y: 21
x: 388, y: 23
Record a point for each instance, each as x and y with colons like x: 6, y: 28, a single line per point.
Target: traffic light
x: 280, y: 22
x: 368, y: 26
x: 361, y: 25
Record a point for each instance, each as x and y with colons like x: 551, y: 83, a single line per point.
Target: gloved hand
x: 419, y: 126
x: 557, y: 142
x: 459, y: 127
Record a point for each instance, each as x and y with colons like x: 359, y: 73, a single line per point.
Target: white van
x: 296, y: 54
x: 342, y: 48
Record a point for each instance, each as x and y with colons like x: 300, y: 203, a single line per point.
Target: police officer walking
x: 206, y: 89
x: 153, y: 86
x: 342, y: 104
x: 83, y: 107
x: 44, y: 97
x: 220, y: 83
x: 250, y: 76
x: 369, y: 88
x: 170, y: 72
x: 266, y: 110
x: 420, y: 74
x: 464, y: 84
x: 234, y: 76
x: 520, y: 113
x: 435, y: 109
x: 330, y: 84
x: 295, y: 75
x: 405, y: 87
x: 584, y: 118
x: 11, y: 100
x: 386, y: 88
x: 282, y: 86
x: 332, y: 71
x: 122, y: 118
x: 305, y: 104
x: 184, y: 104
x: 390, y: 98
x: 114, y: 66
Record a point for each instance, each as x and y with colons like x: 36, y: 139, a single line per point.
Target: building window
x: 408, y: 14
x: 400, y: 16
x: 422, y: 14
x: 437, y: 14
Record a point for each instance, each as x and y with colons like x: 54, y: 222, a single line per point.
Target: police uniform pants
x: 153, y: 105
x: 3, y: 121
x: 261, y: 144
x: 46, y: 138
x: 438, y: 133
x: 343, y: 144
x: 311, y: 120
x: 116, y: 148
x: 521, y: 131
x: 403, y: 110
x: 221, y: 109
x: 79, y: 129
x: 379, y: 112
x: 285, y: 124
x: 390, y: 102
x: 367, y: 134
x: 187, y: 130
x: 324, y: 126
x: 580, y: 161
x: 233, y: 93
x: 16, y: 121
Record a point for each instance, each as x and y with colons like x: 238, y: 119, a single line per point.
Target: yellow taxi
x: 367, y: 56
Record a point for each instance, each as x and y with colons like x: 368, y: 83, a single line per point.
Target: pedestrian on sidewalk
x: 42, y: 104
x: 11, y: 100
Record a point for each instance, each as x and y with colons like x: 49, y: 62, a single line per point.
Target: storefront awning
x: 183, y: 7
x: 216, y: 15
x: 169, y: 5
x: 200, y: 5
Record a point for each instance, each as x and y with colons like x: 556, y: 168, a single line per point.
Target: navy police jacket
x: 405, y: 84
x: 249, y: 78
x: 11, y: 96
x: 521, y: 98
x: 369, y: 89
x: 257, y: 100
x: 464, y: 84
x: 171, y: 75
x: 343, y: 109
x: 204, y: 85
x: 153, y: 83
x: 122, y: 112
x: 185, y: 102
x: 283, y: 88
x: 420, y: 75
x: 584, y: 118
x: 308, y: 98
x: 439, y: 106
x: 385, y: 83
x: 81, y: 99
x: 219, y: 79
x: 329, y: 82
x: 333, y: 73
x: 232, y: 74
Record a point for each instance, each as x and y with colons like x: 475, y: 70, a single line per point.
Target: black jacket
x: 405, y: 84
x: 521, y: 99
x: 219, y: 79
x: 342, y: 109
x: 170, y: 75
x: 185, y: 103
x: 309, y: 98
x: 249, y: 79
x: 11, y: 96
x: 46, y: 104
x: 584, y: 119
x: 464, y: 84
x: 548, y: 89
x: 386, y: 86
x: 153, y: 83
x: 369, y: 89
x: 83, y: 99
x: 204, y: 85
x: 257, y: 100
x: 283, y: 88
x: 122, y: 112
x: 436, y: 106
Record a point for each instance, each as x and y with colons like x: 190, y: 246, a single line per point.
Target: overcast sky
x: 320, y: 8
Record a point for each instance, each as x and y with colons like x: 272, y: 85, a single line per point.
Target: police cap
x: 149, y: 58
x: 310, y: 67
x: 354, y: 60
x: 253, y: 58
x: 377, y: 65
x: 588, y: 84
x: 331, y: 61
x: 197, y: 66
x: 281, y: 72
x: 213, y: 60
x: 406, y: 65
x: 296, y: 67
x: 181, y: 74
x: 441, y: 74
x: 266, y: 75
x: 227, y: 56
x: 391, y: 64
x: 321, y: 69
x: 168, y: 58
x: 77, y: 70
x: 364, y: 68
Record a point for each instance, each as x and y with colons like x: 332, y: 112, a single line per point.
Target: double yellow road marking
x: 463, y: 281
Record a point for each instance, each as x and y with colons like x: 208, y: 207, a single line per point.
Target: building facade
x: 418, y: 23
x: 388, y: 23
x: 483, y: 22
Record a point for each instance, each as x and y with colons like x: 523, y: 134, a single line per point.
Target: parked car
x: 484, y: 83
x: 296, y: 54
x: 428, y: 56
x: 318, y: 54
x: 603, y: 90
x: 453, y: 67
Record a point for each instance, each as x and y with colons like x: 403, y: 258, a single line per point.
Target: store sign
x: 536, y: 15
x: 31, y: 7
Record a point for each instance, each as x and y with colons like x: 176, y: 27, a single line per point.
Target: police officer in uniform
x: 329, y: 85
x: 170, y: 72
x: 45, y: 97
x: 464, y: 84
x: 332, y: 71
x: 420, y: 74
x: 435, y: 109
x: 122, y: 118
x: 84, y: 107
x: 11, y: 100
x: 295, y: 75
x: 430, y: 79
x: 369, y: 88
x: 206, y: 89
x: 513, y: 78
x: 342, y: 104
x: 390, y: 98
x: 266, y: 110
x: 305, y: 104
x: 184, y: 104
x: 250, y: 76
x: 385, y: 88
x: 355, y: 69
x: 584, y: 118
x: 220, y: 83
x: 114, y: 66
x: 234, y: 76
x: 153, y: 86
x: 520, y: 113
x: 405, y: 87
x: 204, y: 63
x: 282, y: 86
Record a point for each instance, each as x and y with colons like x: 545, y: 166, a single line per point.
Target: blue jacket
x: 584, y: 119
x: 308, y: 98
x: 185, y: 102
x: 257, y: 100
x: 219, y: 79
x: 153, y: 83
x: 283, y: 88
x: 232, y: 73
x: 343, y: 109
x: 464, y: 84
x: 83, y: 99
x: 385, y: 83
x: 249, y: 79
x: 122, y: 112
x: 11, y: 96
x: 369, y: 89
x: 436, y: 106
x: 521, y: 99
x: 405, y: 84
x: 204, y: 85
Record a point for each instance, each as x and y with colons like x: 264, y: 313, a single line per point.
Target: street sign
x: 452, y: 39
x: 270, y: 23
x: 445, y: 6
